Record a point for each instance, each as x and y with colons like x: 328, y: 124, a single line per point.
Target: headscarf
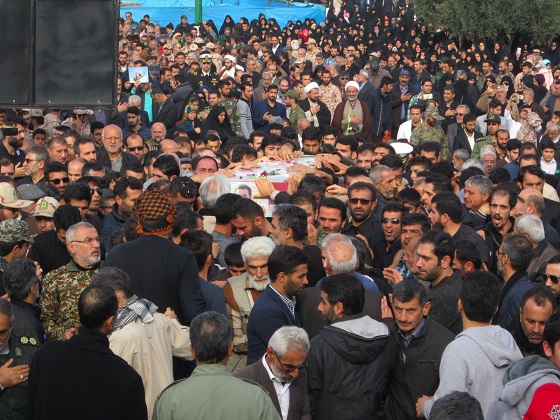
x: 154, y: 212
x: 212, y: 123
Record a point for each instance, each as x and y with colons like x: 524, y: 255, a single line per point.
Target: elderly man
x: 241, y: 293
x: 143, y: 337
x: 62, y: 287
x: 531, y: 227
x: 34, y: 164
x: 281, y: 372
x: 111, y: 155
x: 211, y: 338
x: 58, y: 149
x: 352, y: 112
x: 316, y: 111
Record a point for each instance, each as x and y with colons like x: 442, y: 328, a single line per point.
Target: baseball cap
x: 9, y: 198
x: 405, y: 73
x: 30, y: 192
x: 13, y: 230
x: 493, y: 118
x: 292, y: 93
x: 432, y: 111
x: 45, y: 207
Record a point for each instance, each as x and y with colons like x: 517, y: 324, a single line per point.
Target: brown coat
x: 367, y: 127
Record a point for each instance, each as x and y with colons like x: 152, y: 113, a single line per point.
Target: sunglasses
x: 206, y: 61
x: 553, y: 279
x: 343, y: 78
x: 59, y: 180
x: 135, y: 149
x: 363, y: 201
x: 386, y: 220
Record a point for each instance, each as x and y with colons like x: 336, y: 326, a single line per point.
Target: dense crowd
x: 411, y: 271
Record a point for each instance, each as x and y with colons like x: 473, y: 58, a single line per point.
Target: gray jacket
x: 521, y: 380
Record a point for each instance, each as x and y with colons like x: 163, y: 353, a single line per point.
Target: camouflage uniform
x: 330, y: 96
x: 59, y: 300
x: 13, y: 400
x: 233, y: 113
x: 425, y: 133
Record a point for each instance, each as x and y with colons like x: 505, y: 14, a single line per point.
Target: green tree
x: 492, y: 19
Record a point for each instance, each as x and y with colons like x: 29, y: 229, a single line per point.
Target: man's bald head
x: 168, y: 146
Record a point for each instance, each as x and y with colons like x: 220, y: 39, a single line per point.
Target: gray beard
x: 259, y: 286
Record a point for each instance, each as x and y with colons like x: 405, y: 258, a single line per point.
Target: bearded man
x: 241, y: 293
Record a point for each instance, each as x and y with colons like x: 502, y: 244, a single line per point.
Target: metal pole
x: 198, y: 11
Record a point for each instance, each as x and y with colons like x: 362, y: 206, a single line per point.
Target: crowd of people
x: 411, y: 271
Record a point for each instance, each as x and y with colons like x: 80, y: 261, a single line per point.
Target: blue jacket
x: 260, y: 109
x: 381, y: 112
x: 510, y: 300
x: 268, y: 314
x: 111, y: 223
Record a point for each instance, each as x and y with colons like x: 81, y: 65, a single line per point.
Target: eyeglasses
x: 498, y: 252
x: 343, y: 78
x: 135, y: 149
x: 289, y: 369
x: 206, y: 61
x: 459, y: 114
x: 57, y: 181
x: 89, y: 241
x: 363, y: 201
x: 93, y: 190
x: 113, y: 138
x: 553, y: 279
x: 386, y: 220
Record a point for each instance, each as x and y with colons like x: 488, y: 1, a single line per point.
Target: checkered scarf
x: 133, y: 309
x: 154, y: 212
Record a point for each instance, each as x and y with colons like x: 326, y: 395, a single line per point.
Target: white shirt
x: 549, y: 168
x: 282, y: 391
x: 471, y: 140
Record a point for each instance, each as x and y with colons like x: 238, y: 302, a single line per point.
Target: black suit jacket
x: 311, y: 319
x: 66, y: 374
x: 299, y: 399
x: 162, y: 272
x: 552, y: 213
x: 103, y: 158
x: 167, y: 114
x: 323, y: 116
x: 461, y: 141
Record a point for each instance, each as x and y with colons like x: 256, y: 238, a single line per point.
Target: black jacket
x: 323, y: 116
x: 165, y: 113
x: 66, y: 378
x: 462, y: 142
x: 349, y: 362
x: 416, y: 372
x: 103, y: 158
x: 162, y: 272
x: 27, y: 322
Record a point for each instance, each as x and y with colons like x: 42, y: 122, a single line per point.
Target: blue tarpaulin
x: 165, y: 11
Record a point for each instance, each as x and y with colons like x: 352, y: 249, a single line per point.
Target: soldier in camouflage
x: 62, y: 287
x: 431, y: 131
x: 15, y: 357
x: 15, y: 240
x: 224, y: 87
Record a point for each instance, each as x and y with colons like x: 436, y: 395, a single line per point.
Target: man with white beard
x: 241, y: 293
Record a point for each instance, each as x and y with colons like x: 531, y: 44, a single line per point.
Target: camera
x: 10, y: 130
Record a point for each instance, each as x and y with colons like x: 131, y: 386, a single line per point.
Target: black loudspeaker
x: 58, y: 53
x: 15, y: 52
x: 75, y: 52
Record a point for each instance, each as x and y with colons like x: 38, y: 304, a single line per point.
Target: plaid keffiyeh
x: 135, y: 308
x: 154, y: 212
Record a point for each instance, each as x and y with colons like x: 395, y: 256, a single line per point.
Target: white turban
x: 352, y: 83
x: 310, y: 86
x: 230, y: 58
